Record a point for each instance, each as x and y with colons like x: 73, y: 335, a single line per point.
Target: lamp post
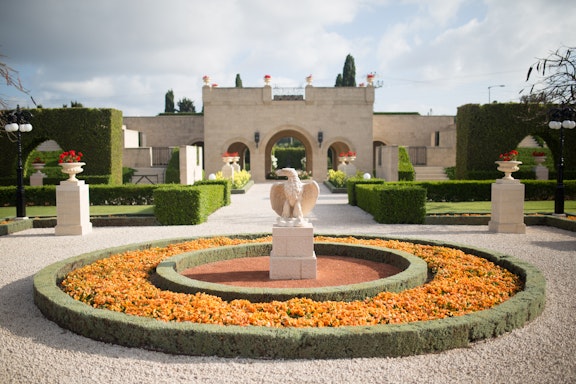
x: 18, y: 122
x: 561, y: 118
x: 493, y: 86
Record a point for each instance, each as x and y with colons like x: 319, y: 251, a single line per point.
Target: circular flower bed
x: 390, y: 323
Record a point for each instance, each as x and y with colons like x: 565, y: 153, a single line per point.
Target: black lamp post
x: 18, y: 122
x: 561, y: 118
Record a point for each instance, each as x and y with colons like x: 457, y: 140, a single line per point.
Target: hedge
x: 97, y: 133
x: 406, y: 170
x: 351, y: 186
x: 393, y: 204
x: 187, y: 205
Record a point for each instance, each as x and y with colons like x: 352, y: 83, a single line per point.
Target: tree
x: 12, y: 80
x: 169, y: 102
x: 238, y: 81
x: 349, y: 72
x: 186, y: 105
x: 558, y: 78
x: 76, y: 104
x: 338, y: 80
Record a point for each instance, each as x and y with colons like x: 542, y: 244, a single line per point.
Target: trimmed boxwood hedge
x: 393, y: 204
x: 188, y: 205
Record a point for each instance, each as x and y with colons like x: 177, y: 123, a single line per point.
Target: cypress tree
x: 338, y: 80
x: 169, y: 102
x: 238, y: 81
x: 349, y: 72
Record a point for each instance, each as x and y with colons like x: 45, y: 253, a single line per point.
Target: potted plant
x: 71, y: 163
x: 508, y: 164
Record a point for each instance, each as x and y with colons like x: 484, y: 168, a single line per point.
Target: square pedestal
x: 292, y: 256
x: 507, y: 207
x: 72, y: 208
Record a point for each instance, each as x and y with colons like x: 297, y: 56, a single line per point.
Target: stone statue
x: 293, y: 199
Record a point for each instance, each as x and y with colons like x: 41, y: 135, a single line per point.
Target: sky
x: 428, y: 56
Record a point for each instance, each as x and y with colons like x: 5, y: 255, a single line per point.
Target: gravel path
x: 35, y: 350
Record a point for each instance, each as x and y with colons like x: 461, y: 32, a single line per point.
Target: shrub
x: 393, y: 204
x: 186, y: 205
x: 351, y: 186
x: 405, y: 169
x: 337, y: 178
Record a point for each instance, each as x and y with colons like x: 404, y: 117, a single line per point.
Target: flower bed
x: 462, y: 284
x: 298, y: 340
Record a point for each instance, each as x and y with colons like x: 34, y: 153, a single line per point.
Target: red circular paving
x: 254, y: 272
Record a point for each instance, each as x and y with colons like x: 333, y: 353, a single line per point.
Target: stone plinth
x: 72, y: 208
x: 37, y: 179
x: 507, y: 207
x: 293, y: 254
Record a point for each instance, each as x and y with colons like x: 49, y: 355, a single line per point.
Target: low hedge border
x: 414, y: 273
x: 287, y: 343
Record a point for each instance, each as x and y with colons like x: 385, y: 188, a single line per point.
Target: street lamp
x: 18, y: 121
x: 493, y: 86
x: 561, y: 118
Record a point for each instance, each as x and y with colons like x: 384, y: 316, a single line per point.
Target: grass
x: 436, y: 208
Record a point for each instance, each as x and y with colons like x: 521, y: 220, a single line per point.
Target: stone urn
x: 72, y: 169
x: 539, y: 160
x: 38, y: 167
x: 508, y: 167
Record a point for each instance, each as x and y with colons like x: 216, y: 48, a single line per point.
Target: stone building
x: 326, y: 120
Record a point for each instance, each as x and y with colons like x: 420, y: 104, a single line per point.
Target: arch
x: 337, y: 146
x: 303, y: 137
x: 97, y: 133
x: 243, y: 152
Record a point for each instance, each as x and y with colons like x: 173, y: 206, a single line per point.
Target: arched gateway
x: 325, y: 121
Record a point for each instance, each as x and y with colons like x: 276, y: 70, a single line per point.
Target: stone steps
x: 429, y: 173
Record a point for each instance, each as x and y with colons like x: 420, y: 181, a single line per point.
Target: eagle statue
x: 292, y: 199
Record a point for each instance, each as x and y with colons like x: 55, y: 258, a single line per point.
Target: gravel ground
x: 35, y: 350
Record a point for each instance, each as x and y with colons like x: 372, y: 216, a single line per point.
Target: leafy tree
x: 349, y: 72
x: 169, y: 102
x: 238, y: 81
x: 186, y: 105
x: 76, y: 104
x: 557, y: 82
x: 338, y: 80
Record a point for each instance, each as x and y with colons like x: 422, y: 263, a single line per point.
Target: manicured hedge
x: 187, y: 205
x: 393, y: 204
x: 406, y: 170
x: 351, y: 184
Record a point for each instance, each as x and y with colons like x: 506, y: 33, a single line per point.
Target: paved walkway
x: 35, y: 350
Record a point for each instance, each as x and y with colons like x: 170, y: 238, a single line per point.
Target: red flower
x: 70, y: 156
x: 509, y: 156
x: 538, y: 153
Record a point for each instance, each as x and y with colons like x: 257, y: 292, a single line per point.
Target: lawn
x: 431, y: 208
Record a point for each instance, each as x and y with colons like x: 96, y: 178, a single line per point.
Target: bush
x: 351, y: 186
x: 337, y: 178
x: 393, y: 204
x: 405, y: 169
x: 173, y: 169
x: 186, y: 205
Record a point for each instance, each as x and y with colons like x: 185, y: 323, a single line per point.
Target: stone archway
x: 335, y: 149
x: 288, y: 133
x: 243, y: 152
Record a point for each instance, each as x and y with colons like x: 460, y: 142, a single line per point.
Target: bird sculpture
x: 292, y: 199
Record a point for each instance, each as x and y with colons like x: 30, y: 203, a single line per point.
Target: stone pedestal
x: 541, y: 172
x: 37, y: 179
x: 293, y: 256
x: 507, y: 207
x: 72, y: 208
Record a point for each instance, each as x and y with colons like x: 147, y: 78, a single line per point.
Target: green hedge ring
x: 287, y: 343
x: 414, y: 273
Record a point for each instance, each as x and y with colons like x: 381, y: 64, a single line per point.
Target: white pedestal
x: 293, y: 256
x: 37, y: 179
x: 507, y: 207
x: 541, y: 172
x: 73, y: 208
